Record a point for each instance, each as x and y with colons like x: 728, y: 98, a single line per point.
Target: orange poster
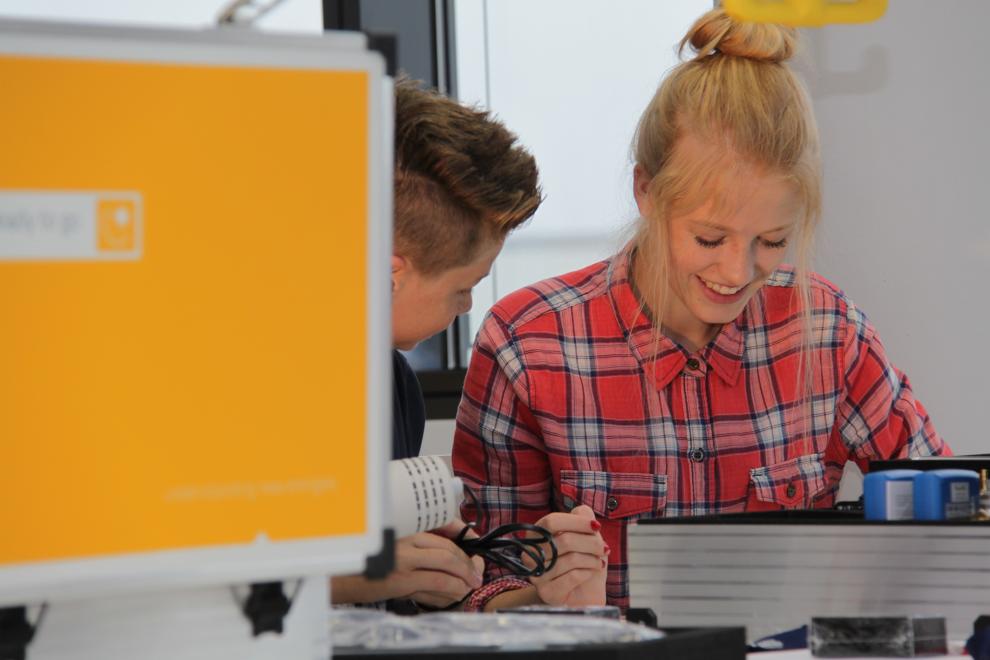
x: 183, y: 259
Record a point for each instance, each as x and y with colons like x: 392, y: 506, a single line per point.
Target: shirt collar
x: 657, y: 353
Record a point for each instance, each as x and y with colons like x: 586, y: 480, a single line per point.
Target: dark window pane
x: 429, y: 355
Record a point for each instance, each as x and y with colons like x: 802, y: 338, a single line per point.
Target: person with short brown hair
x: 462, y: 183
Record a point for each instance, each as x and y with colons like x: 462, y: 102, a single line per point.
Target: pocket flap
x: 614, y: 495
x: 793, y: 483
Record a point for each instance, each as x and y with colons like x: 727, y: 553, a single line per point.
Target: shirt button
x: 697, y: 454
x: 791, y: 489
x: 693, y: 363
x: 612, y: 504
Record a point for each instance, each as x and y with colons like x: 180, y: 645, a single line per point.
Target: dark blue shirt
x: 408, y: 409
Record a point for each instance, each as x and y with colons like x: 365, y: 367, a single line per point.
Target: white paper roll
x: 425, y: 494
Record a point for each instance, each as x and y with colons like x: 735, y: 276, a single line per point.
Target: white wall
x: 903, y: 107
x: 438, y: 437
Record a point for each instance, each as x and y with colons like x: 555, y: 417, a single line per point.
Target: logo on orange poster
x: 116, y: 225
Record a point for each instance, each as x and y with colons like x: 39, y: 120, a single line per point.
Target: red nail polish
x: 595, y: 525
x: 607, y: 549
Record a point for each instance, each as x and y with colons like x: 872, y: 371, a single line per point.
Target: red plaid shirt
x: 570, y: 400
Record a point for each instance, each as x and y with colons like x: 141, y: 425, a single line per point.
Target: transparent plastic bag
x: 378, y: 630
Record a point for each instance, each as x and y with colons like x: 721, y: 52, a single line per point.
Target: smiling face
x: 722, y: 251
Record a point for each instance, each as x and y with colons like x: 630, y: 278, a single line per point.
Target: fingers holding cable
x: 581, y: 519
x: 581, y: 555
x: 575, y: 532
x: 577, y: 579
x: 436, y: 553
x: 458, y: 528
x: 567, y: 561
x: 432, y: 570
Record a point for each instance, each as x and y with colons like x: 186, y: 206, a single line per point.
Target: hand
x: 452, y: 530
x: 429, y: 569
x: 578, y: 577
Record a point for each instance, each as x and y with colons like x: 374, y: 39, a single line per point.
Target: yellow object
x: 806, y: 13
x: 210, y: 388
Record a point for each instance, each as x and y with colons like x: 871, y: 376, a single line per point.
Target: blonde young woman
x: 694, y: 372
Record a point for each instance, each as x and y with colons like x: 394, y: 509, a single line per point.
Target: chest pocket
x: 615, y: 495
x: 792, y: 484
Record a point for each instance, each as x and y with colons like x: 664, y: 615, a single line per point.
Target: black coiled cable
x: 503, y: 548
x: 500, y: 547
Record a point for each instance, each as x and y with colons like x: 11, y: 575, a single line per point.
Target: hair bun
x: 717, y: 32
